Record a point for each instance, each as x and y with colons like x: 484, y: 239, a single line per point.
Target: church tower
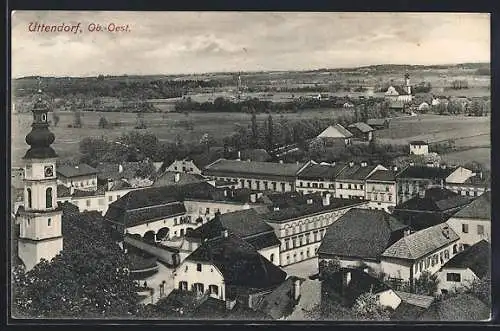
x: 407, y: 83
x: 40, y: 234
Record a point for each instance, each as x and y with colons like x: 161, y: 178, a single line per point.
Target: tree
x: 148, y: 171
x: 103, y: 123
x: 206, y: 140
x: 328, y: 267
x: 368, y: 307
x: 316, y: 148
x: 270, y: 132
x: 426, y: 284
x: 88, y: 279
x: 141, y: 124
x: 255, y: 132
x: 481, y: 288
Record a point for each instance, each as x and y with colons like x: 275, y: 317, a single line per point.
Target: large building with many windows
x: 259, y: 176
x: 381, y: 190
x: 319, y: 178
x: 351, y: 182
x: 301, y: 224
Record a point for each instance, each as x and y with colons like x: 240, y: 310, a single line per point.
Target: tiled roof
x: 382, y: 175
x: 204, y: 159
x: 243, y: 223
x: 361, y: 233
x: 479, y: 208
x: 335, y: 131
x: 437, y: 200
x: 279, y: 303
x: 109, y: 170
x: 284, y: 199
x: 407, y: 312
x: 255, y: 168
x: 461, y: 307
x: 290, y: 213
x: 363, y: 127
x: 133, y: 217
x: 422, y: 301
x: 82, y: 169
x: 356, y: 172
x: 84, y: 193
x: 263, y: 240
x: 168, y: 178
x: 421, y: 243
x: 319, y: 171
x: 425, y: 172
x: 239, y: 262
x: 476, y: 258
x: 418, y: 142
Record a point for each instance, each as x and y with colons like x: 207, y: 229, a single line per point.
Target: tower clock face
x: 49, y: 171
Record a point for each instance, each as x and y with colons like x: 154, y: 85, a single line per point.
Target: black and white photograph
x: 256, y: 166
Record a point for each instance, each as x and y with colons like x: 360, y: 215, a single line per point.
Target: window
x: 271, y: 258
x: 360, y: 187
x: 480, y: 229
x: 207, y: 211
x: 321, y: 185
x: 87, y: 203
x: 283, y: 187
x: 110, y: 198
x: 455, y: 251
x: 29, y: 221
x: 29, y: 197
x: 48, y: 198
x: 465, y: 228
x: 308, y: 184
x: 175, y: 168
x: 287, y: 244
x: 349, y: 186
x: 213, y: 289
x: 446, y: 254
x: 198, y: 267
x: 198, y: 287
x: 183, y: 286
x: 452, y: 277
x: 340, y: 185
x: 118, y: 196
x: 48, y: 222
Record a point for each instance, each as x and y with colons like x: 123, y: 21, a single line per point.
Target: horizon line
x: 256, y: 71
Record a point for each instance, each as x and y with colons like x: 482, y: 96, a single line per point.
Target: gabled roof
x: 204, y: 159
x: 168, y: 178
x: 255, y: 168
x: 319, y: 171
x: 476, y: 258
x: 383, y: 176
x: 110, y: 170
x: 335, y: 131
x: 426, y: 172
x: 239, y: 262
x: 356, y: 172
x: 479, y: 208
x: 435, y: 199
x: 63, y: 191
x: 257, y: 154
x: 287, y: 214
x: 422, y: 301
x: 247, y: 224
x: 361, y: 233
x: 363, y: 127
x: 82, y: 169
x: 418, y: 142
x: 135, y: 217
x: 421, y: 243
x: 279, y: 303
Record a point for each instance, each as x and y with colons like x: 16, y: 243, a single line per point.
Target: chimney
x: 296, y: 291
x: 481, y: 174
x: 406, y: 232
x: 412, y: 164
x: 326, y: 199
x: 239, y: 156
x: 224, y: 233
x: 177, y: 177
x: 351, y: 163
x: 276, y: 208
x: 253, y: 198
x: 446, y: 232
x: 281, y: 161
x: 309, y: 201
x: 443, y: 166
x: 76, y: 167
x: 333, y: 163
x: 225, y: 193
x: 395, y: 168
x: 430, y: 164
x: 71, y: 189
x: 364, y: 164
x: 120, y: 168
x: 110, y: 184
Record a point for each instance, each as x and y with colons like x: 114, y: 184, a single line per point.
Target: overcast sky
x: 190, y: 42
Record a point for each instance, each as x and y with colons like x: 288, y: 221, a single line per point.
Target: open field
x: 434, y: 128
x: 166, y: 127
x: 480, y: 155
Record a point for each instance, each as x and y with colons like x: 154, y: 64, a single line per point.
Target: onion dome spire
x: 40, y: 138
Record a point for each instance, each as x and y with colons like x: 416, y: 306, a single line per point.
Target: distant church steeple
x: 40, y: 218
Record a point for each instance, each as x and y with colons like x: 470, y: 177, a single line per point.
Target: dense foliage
x: 88, y: 279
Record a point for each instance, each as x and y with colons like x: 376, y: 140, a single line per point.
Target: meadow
x: 167, y: 126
